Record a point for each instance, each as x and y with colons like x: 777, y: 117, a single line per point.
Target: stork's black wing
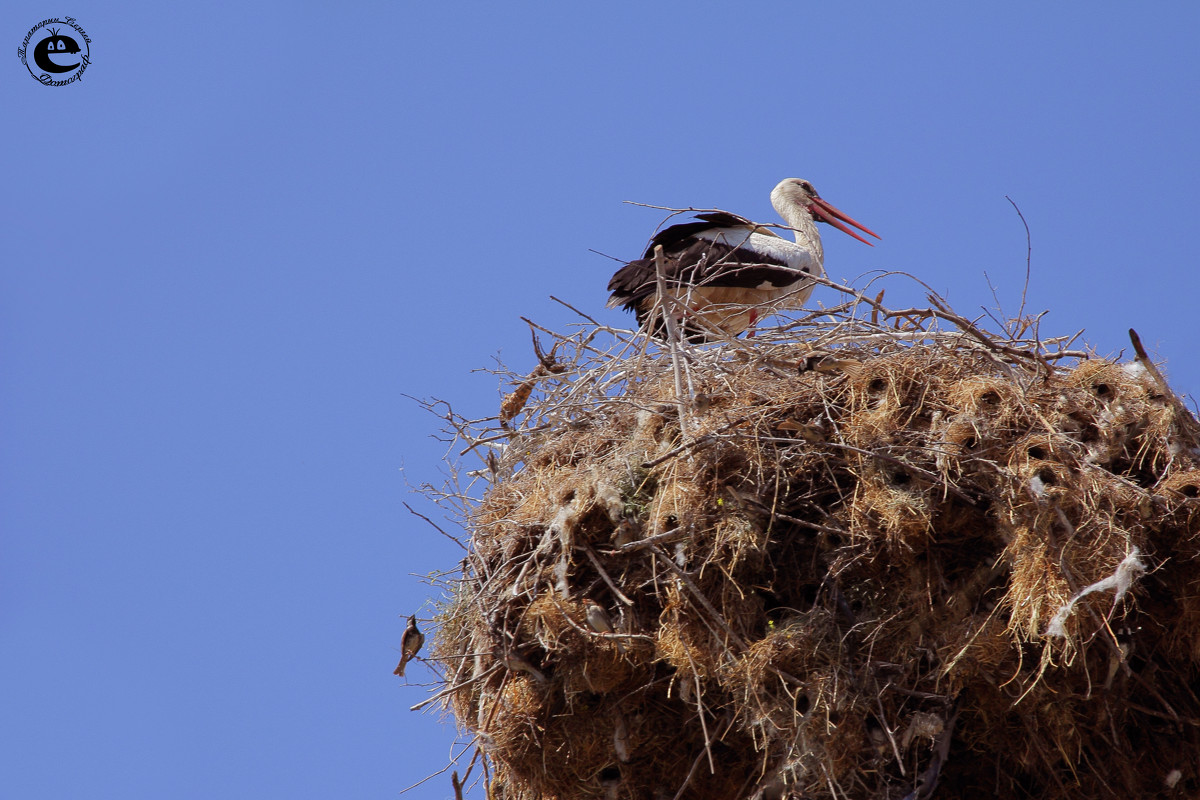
x: 675, y: 234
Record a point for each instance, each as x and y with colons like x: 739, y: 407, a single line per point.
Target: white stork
x: 729, y: 272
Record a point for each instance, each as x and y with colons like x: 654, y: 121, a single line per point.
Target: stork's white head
x: 792, y: 193
x: 798, y: 202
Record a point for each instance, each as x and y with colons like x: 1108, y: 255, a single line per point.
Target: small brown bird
x: 515, y: 662
x: 621, y: 739
x: 610, y: 781
x: 410, y: 645
x: 597, y: 619
x: 626, y: 532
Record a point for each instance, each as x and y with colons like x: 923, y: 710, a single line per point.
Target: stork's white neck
x: 798, y: 217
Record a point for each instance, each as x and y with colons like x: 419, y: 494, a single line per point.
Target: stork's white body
x: 733, y: 309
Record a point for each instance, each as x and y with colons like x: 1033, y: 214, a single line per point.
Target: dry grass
x: 846, y: 558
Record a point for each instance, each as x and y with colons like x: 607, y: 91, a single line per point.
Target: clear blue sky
x: 234, y: 246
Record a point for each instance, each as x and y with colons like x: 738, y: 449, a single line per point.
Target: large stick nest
x: 881, y: 557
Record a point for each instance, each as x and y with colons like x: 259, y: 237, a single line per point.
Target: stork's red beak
x: 827, y: 213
